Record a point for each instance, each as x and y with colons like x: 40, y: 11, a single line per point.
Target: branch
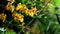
x: 58, y: 18
x: 46, y: 2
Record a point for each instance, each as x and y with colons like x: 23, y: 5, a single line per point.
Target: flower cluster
x: 18, y: 17
x: 23, y: 8
x: 19, y: 7
x: 10, y: 7
x: 31, y: 12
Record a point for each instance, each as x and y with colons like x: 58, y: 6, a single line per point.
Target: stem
x: 58, y: 18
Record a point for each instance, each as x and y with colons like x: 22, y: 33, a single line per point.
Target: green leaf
x: 12, y: 32
x: 57, y: 2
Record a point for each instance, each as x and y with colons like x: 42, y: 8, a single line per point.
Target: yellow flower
x: 10, y: 7
x: 21, y: 7
x: 24, y: 7
x: 34, y: 10
x: 26, y: 12
x: 18, y: 17
x: 2, y: 17
x: 31, y: 12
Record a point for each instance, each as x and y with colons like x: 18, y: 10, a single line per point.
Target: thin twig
x: 46, y: 2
